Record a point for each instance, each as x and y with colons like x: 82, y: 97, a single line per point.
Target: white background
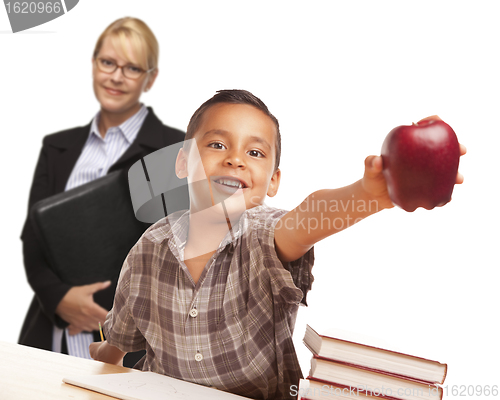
x: 339, y: 76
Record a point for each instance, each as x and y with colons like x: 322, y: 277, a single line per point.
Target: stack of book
x: 343, y: 370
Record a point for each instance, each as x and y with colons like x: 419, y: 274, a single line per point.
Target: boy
x: 212, y: 293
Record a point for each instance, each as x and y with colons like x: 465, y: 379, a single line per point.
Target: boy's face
x: 237, y: 147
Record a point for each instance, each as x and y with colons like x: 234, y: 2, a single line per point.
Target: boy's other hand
x: 94, y: 350
x: 79, y: 310
x: 103, y: 351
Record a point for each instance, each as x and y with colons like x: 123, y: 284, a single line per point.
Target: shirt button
x: 193, y: 313
x: 198, y: 357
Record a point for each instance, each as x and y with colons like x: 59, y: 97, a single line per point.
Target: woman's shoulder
x: 153, y: 123
x: 66, y: 138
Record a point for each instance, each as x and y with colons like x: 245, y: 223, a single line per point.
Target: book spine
x: 376, y: 348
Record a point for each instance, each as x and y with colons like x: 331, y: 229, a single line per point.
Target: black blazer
x: 58, y: 156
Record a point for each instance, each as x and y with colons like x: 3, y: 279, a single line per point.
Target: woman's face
x: 116, y: 93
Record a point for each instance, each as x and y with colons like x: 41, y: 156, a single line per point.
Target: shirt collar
x: 179, y: 226
x: 129, y: 129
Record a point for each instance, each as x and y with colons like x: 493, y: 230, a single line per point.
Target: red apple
x: 420, y: 164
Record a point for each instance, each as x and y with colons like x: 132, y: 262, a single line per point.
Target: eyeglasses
x: 129, y: 71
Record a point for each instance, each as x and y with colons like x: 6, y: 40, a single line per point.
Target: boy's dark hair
x: 234, y: 96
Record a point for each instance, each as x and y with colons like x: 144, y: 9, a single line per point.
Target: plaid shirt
x: 233, y: 329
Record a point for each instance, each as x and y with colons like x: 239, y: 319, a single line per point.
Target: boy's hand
x: 103, y: 351
x: 94, y: 350
x: 374, y: 183
x: 307, y: 224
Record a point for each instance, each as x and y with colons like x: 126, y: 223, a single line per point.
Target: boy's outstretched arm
x: 329, y: 211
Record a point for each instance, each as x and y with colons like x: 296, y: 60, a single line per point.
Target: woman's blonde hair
x: 143, y: 41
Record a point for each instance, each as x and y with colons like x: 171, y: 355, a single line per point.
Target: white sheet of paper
x: 148, y: 386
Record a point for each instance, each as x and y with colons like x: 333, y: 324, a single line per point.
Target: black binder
x: 87, y: 232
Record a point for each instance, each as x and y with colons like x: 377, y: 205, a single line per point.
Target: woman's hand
x: 80, y: 311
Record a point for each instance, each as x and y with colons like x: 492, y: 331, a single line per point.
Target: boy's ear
x: 274, y: 184
x: 181, y: 164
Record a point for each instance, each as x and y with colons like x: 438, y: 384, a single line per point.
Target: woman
x: 124, y: 65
